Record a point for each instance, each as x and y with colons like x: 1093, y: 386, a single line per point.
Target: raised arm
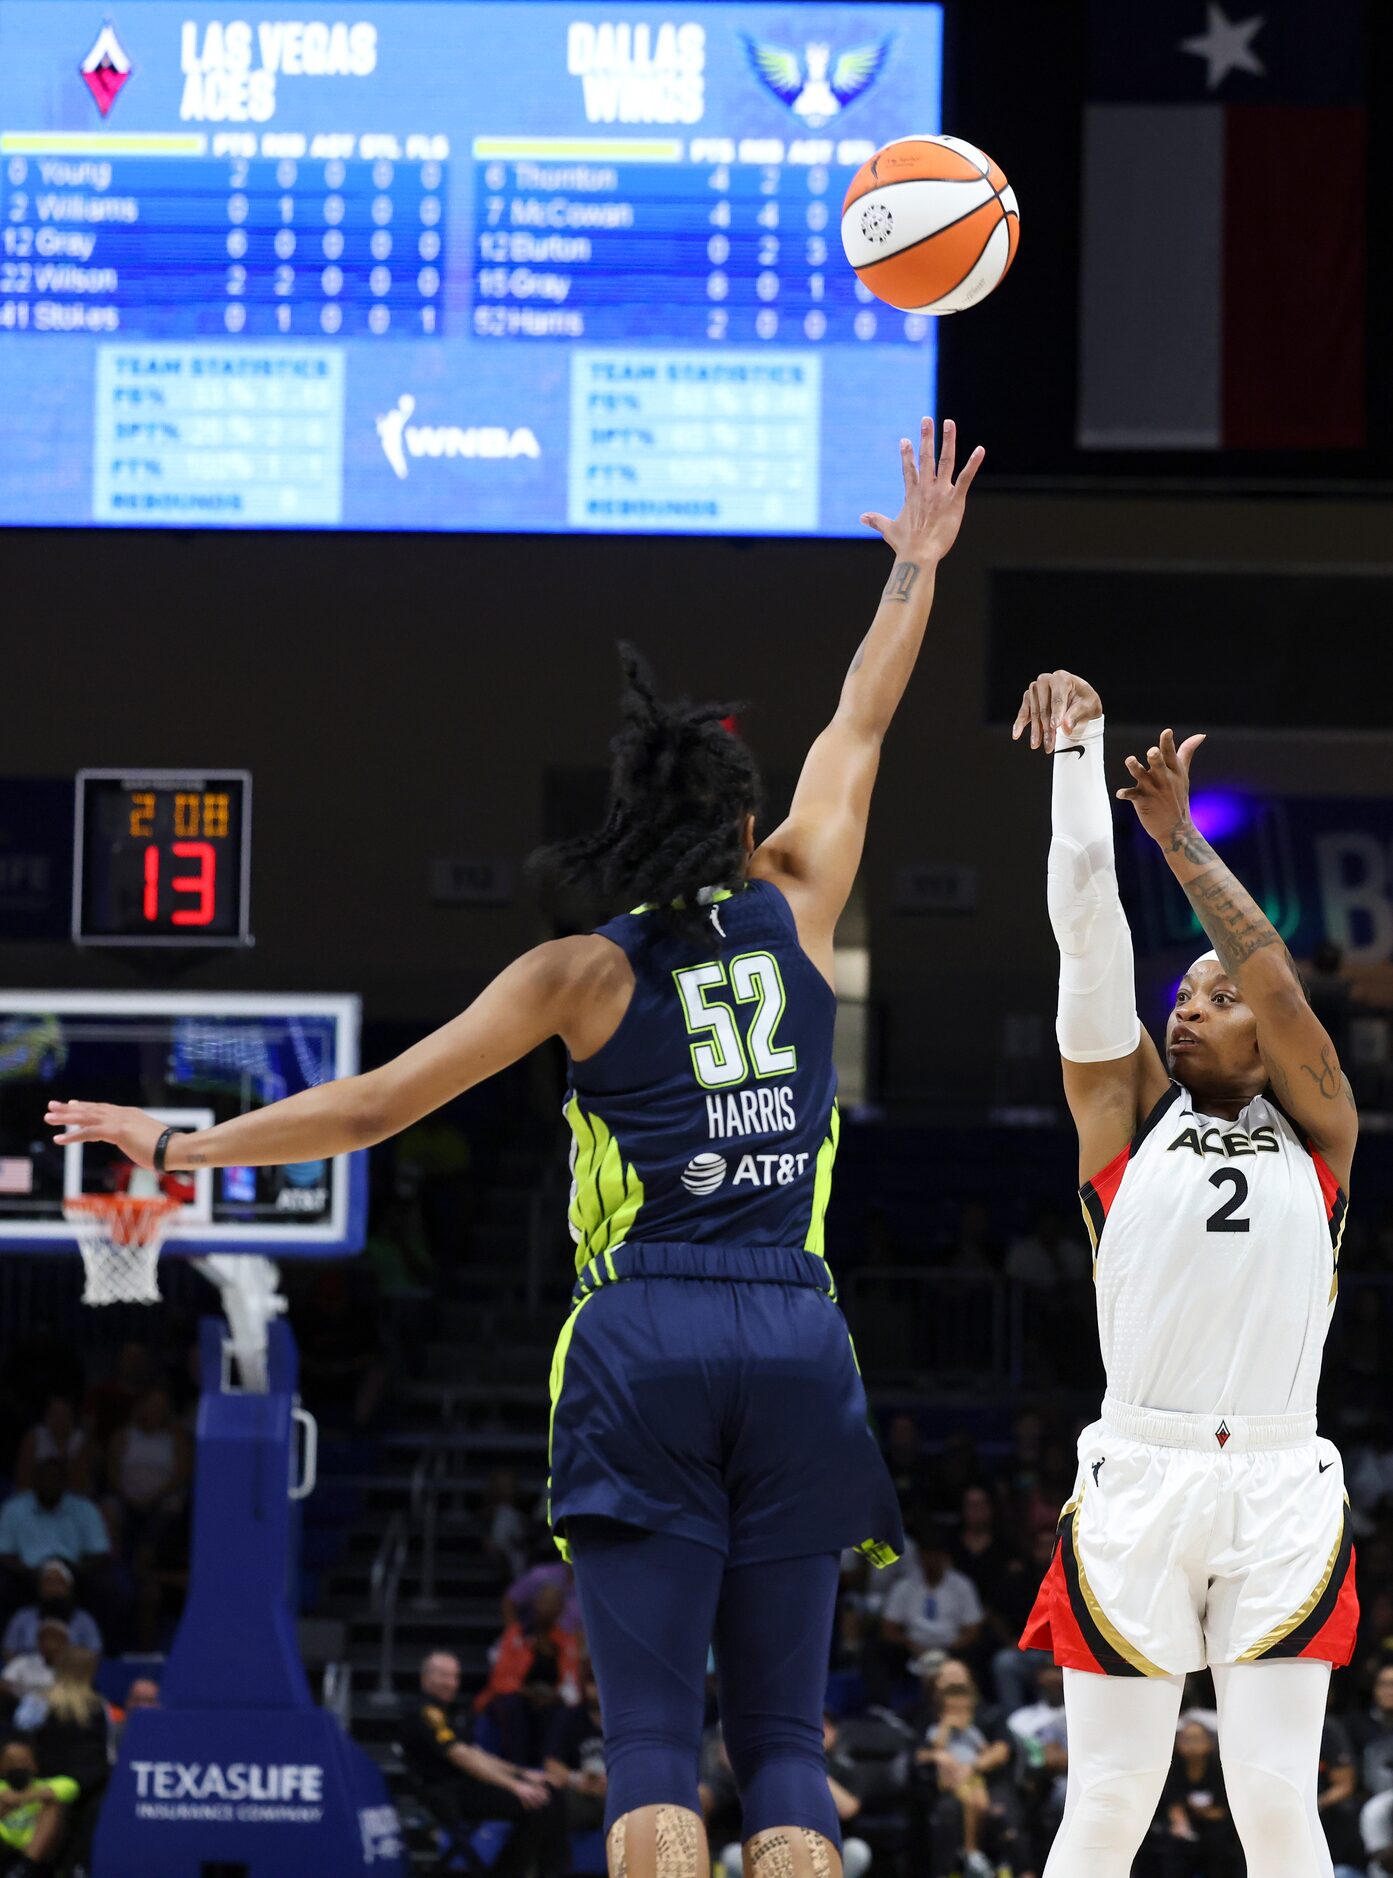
x: 813, y: 855
x: 542, y: 994
x: 1296, y: 1049
x: 1113, y: 1074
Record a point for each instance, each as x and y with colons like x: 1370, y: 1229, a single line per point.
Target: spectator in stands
x: 574, y: 1761
x: 144, y: 1692
x: 1015, y: 1672
x: 978, y: 1549
x: 1197, y: 1831
x: 57, y: 1597
x: 1336, y: 1785
x: 1372, y: 1735
x: 518, y: 1599
x: 149, y: 1465
x: 109, y: 1403
x: 1044, y: 1762
x: 50, y: 1522
x: 1376, y: 1830
x: 32, y: 1811
x: 341, y: 1362
x: 57, y: 1435
x: 536, y: 1667
x: 463, y: 1785
x: 1048, y: 1258
x: 74, y: 1736
x: 936, y: 1608
x: 506, y: 1527
x: 965, y: 1800
x: 905, y: 1457
x: 843, y: 1778
x: 721, y: 1803
x: 32, y: 1672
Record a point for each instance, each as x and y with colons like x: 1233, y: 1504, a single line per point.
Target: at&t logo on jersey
x: 705, y: 1173
x: 637, y: 73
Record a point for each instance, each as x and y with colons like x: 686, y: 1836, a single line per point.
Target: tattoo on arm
x: 1329, y: 1079
x: 901, y: 582
x: 1236, y: 924
x: 860, y: 658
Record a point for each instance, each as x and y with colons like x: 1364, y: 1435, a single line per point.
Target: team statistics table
x: 497, y: 264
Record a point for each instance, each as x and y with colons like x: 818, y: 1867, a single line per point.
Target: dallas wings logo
x: 106, y: 68
x: 809, y: 83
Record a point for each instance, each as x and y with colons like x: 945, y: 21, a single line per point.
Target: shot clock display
x: 162, y: 858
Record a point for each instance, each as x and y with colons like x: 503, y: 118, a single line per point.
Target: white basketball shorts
x: 1197, y: 1539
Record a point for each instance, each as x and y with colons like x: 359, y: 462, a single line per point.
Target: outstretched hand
x: 1160, y: 791
x: 927, y: 526
x: 1056, y: 701
x: 131, y: 1130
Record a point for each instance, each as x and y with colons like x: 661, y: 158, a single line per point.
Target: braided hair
x: 681, y: 786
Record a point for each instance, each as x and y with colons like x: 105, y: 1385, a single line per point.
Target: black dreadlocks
x: 681, y: 786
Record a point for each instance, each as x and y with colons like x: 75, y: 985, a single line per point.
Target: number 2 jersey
x: 1216, y: 1250
x: 709, y: 1118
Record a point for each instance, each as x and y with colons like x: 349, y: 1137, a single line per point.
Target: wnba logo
x: 704, y: 1173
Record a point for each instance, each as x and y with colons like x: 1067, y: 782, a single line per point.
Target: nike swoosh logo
x: 1322, y: 1465
x: 1069, y: 749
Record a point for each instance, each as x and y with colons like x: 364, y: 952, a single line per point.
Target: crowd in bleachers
x: 947, y: 1746
x: 93, y: 1560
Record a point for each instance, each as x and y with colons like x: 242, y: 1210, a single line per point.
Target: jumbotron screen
x: 499, y: 264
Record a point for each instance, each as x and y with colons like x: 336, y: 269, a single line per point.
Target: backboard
x: 192, y: 1058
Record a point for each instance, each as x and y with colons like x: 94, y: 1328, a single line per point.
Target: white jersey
x: 1216, y: 1256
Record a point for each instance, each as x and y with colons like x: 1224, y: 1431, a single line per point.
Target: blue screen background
x: 508, y: 266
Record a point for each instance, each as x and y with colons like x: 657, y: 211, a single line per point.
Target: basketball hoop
x: 120, y: 1235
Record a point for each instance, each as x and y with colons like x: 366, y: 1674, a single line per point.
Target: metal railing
x: 428, y: 1479
x: 387, y: 1569
x: 336, y: 1693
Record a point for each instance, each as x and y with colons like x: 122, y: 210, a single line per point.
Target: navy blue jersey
x: 710, y: 1117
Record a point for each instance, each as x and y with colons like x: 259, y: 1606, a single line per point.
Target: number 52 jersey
x: 709, y: 1117
x: 1216, y: 1251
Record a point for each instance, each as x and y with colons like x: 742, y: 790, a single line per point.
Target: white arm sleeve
x: 1097, y: 1021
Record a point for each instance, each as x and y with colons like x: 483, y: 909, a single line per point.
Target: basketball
x: 930, y: 224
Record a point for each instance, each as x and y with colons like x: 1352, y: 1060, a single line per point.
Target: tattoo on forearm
x: 901, y: 582
x: 1236, y: 924
x: 860, y: 658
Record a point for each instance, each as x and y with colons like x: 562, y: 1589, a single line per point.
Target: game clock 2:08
x: 162, y: 857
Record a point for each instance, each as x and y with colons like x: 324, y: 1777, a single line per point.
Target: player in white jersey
x: 1208, y: 1522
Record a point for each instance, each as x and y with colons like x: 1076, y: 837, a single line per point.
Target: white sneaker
x: 977, y: 1865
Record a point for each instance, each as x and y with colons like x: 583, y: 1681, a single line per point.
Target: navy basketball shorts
x: 727, y: 1412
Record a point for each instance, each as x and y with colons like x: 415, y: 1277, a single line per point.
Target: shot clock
x: 162, y: 858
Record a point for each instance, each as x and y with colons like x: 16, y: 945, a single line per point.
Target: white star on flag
x: 1226, y: 46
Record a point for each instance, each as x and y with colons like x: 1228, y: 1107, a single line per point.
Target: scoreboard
x: 162, y: 858
x: 451, y: 264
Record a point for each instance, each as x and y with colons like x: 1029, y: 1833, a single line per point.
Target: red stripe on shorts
x: 1053, y: 1626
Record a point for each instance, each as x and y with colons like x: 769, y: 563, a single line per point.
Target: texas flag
x: 1222, y: 290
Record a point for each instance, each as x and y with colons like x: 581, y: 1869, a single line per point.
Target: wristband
x: 162, y: 1147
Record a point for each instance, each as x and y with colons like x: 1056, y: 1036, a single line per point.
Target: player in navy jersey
x: 710, y: 1455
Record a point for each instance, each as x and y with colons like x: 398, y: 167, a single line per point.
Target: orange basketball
x: 930, y: 224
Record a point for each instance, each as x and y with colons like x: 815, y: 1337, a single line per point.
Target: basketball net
x: 119, y: 1236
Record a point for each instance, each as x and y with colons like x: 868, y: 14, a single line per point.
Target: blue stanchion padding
x: 238, y: 1767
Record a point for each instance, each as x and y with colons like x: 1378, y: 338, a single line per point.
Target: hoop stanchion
x: 120, y: 1235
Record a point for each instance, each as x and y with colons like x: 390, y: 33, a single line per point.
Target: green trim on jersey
x: 822, y: 1187
x: 605, y: 1195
